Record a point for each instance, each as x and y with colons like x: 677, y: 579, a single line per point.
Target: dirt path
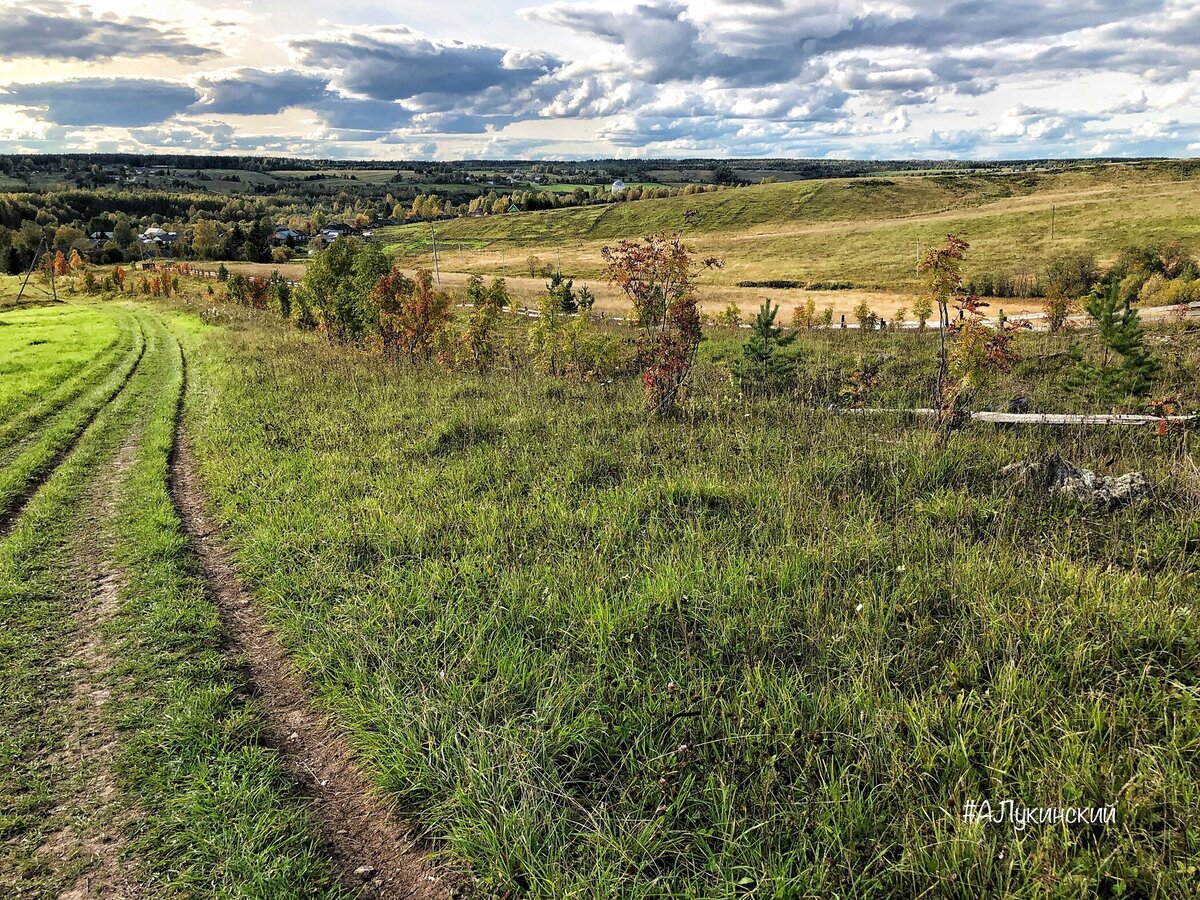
x: 97, y: 828
x: 374, y: 852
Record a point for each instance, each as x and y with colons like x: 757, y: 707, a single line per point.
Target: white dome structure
x: 618, y: 186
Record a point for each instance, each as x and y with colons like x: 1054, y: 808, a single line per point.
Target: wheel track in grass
x: 375, y: 853
x: 108, y: 360
x: 43, y: 470
x: 92, y: 743
x: 83, y: 821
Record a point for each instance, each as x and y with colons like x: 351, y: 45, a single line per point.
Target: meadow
x: 361, y: 588
x: 763, y: 648
x: 867, y: 231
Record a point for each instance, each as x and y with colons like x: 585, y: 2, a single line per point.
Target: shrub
x: 237, y: 289
x: 767, y: 365
x: 658, y: 277
x: 1067, y: 277
x: 730, y: 316
x: 867, y: 318
x: 805, y: 315
x: 411, y: 315
x: 281, y: 293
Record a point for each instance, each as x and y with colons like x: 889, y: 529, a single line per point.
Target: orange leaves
x: 412, y: 314
x: 658, y: 277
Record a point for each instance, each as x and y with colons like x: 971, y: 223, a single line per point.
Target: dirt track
x: 375, y: 853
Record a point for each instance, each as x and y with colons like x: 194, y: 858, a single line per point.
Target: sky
x: 586, y: 79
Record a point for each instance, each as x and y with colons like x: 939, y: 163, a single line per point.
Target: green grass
x: 215, y: 814
x: 54, y: 366
x: 222, y: 820
x: 39, y: 587
x: 30, y: 461
x: 43, y: 347
x: 766, y: 650
x: 863, y: 230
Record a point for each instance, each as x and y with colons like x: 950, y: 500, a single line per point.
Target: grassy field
x: 865, y: 230
x: 766, y: 648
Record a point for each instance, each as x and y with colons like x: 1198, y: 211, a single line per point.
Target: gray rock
x: 1056, y: 477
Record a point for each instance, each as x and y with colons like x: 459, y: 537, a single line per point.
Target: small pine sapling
x: 768, y: 363
x: 1127, y: 367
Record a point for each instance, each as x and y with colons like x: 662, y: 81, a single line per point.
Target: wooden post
x: 33, y: 263
x: 436, y: 270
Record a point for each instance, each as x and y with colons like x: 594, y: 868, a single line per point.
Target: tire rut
x: 374, y: 852
x: 92, y: 742
x: 9, y: 515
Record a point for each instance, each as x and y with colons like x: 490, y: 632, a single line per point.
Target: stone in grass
x: 366, y: 873
x: 1058, y: 478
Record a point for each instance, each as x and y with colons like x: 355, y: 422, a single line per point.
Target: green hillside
x: 866, y: 230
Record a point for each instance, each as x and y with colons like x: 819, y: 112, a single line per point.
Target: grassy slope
x: 217, y: 816
x: 44, y: 346
x: 864, y: 230
x: 771, y: 649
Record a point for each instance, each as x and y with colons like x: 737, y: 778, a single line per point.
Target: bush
x: 768, y: 365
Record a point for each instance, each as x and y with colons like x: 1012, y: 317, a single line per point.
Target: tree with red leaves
x: 941, y: 274
x: 411, y: 314
x: 658, y: 277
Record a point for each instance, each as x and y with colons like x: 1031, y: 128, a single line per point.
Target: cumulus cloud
x: 258, y: 92
x: 127, y: 102
x: 78, y: 33
x: 393, y: 64
x: 750, y: 77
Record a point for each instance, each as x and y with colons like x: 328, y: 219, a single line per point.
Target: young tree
x: 768, y: 365
x: 476, y: 348
x: 337, y: 285
x: 586, y: 299
x: 411, y: 314
x: 282, y: 293
x: 941, y: 274
x: 561, y: 291
x: 548, y: 334
x: 658, y: 277
x: 498, y: 293
x: 805, y: 315
x: 1121, y: 334
x: 866, y: 317
x: 922, y: 309
x: 978, y: 353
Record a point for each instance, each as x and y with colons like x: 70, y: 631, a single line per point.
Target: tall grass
x: 768, y: 650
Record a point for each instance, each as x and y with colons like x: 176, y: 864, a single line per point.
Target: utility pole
x: 436, y: 270
x: 37, y: 254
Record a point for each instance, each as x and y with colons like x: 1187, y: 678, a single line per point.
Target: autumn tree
x: 658, y: 277
x: 411, y: 314
x: 205, y: 239
x: 979, y: 352
x: 941, y: 276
